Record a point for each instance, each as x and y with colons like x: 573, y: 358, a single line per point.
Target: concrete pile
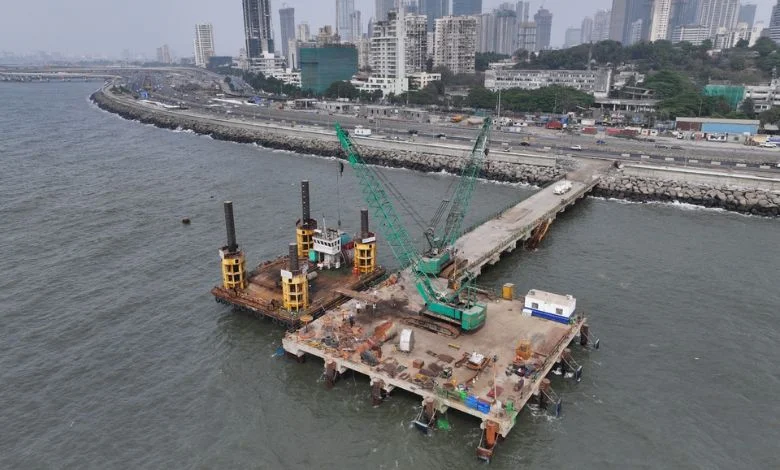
x: 756, y: 202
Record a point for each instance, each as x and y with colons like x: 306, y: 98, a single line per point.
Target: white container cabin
x: 550, y: 306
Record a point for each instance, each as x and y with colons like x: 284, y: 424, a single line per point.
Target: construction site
x: 427, y: 327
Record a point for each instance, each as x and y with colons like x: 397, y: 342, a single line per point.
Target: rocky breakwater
x: 748, y: 201
x: 307, y: 143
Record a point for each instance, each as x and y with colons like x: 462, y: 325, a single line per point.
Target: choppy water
x: 114, y: 355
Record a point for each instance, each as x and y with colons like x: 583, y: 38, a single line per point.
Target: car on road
x: 413, y: 131
x: 601, y: 142
x: 576, y: 147
x: 663, y: 146
x: 676, y: 147
x: 441, y: 136
x: 769, y: 145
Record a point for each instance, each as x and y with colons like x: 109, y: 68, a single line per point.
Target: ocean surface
x: 113, y: 354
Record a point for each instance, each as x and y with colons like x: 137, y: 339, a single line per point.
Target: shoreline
x: 616, y: 184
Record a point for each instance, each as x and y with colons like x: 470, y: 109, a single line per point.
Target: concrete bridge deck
x: 485, y: 243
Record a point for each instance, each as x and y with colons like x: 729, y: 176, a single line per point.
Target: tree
x: 748, y: 107
x: 341, y: 89
x: 764, y: 46
x: 770, y: 116
x: 483, y: 59
x: 742, y: 44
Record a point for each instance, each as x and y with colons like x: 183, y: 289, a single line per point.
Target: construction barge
x: 427, y: 328
x: 305, y: 283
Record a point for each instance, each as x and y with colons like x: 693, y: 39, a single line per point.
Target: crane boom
x: 465, y: 189
x: 440, y: 252
x: 443, y: 304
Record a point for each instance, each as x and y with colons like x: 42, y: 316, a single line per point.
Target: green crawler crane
x: 459, y: 306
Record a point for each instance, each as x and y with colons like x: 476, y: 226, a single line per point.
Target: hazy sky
x: 108, y: 26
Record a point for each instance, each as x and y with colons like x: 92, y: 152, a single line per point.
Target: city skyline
x: 72, y: 31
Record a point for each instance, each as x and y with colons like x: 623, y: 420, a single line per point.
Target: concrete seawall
x: 733, y: 192
x: 378, y: 152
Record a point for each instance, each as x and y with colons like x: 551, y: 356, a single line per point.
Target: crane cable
x: 397, y: 194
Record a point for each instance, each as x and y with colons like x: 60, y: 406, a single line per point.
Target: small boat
x: 424, y: 423
x: 487, y: 445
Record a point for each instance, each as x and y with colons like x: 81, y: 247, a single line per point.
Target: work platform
x: 342, y: 347
x: 263, y: 296
x: 527, y: 220
x: 356, y: 318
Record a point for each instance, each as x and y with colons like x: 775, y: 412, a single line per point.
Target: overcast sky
x: 106, y: 27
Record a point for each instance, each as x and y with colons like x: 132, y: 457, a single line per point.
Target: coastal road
x: 686, y: 153
x: 543, y: 141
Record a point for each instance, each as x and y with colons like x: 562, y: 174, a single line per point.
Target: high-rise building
x: 204, y: 44
x: 694, y: 34
x: 321, y: 66
x: 661, y: 14
x: 287, y: 30
x: 388, y: 53
x: 573, y: 37
x: 636, y: 32
x: 684, y: 12
x: 326, y: 36
x: 164, y: 54
x: 485, y: 32
x: 617, y: 21
x: 364, y: 52
x: 505, y: 31
x: 344, y: 12
x: 456, y: 43
x: 718, y: 14
x: 497, y: 31
x: 630, y: 20
x: 382, y: 8
x: 543, y: 20
x: 601, y: 23
x: 257, y: 28
x: 523, y: 11
x: 356, y: 26
x: 586, y: 30
x: 416, y: 43
x: 302, y: 32
x: 774, y: 23
x: 640, y: 19
x: 526, y: 36
x: 466, y: 7
x: 747, y: 14
x: 434, y: 9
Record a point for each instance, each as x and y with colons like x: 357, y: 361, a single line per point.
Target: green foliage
x: 738, y: 64
x: 748, y: 107
x: 260, y: 82
x: 694, y: 104
x: 462, y: 79
x: 764, y: 46
x: 770, y: 116
x: 341, y: 89
x: 551, y: 99
x: 645, y: 55
x: 668, y: 84
x: 485, y: 58
x: 432, y: 94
